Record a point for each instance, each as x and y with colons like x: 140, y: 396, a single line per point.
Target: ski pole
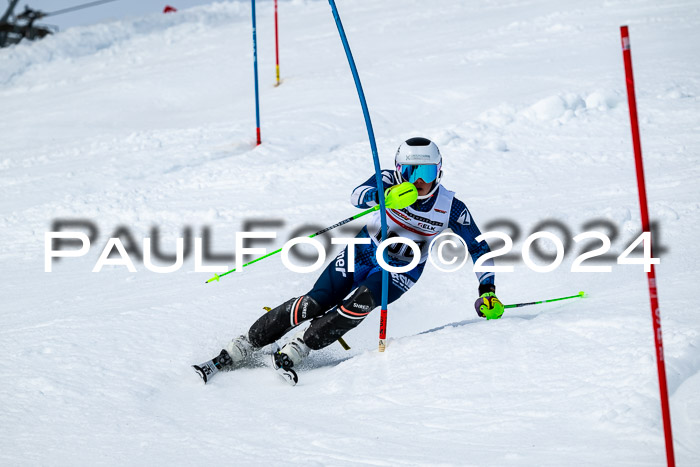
x: 343, y: 222
x: 517, y: 305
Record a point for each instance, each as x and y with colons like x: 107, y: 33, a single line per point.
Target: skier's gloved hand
x: 400, y: 196
x: 489, y: 306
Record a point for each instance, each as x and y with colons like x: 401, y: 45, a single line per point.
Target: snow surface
x: 150, y: 122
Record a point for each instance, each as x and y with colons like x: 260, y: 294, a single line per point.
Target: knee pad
x: 275, y: 324
x: 334, y: 324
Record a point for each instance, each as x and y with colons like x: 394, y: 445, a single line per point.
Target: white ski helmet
x: 419, y: 158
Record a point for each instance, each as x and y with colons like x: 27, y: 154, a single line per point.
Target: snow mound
x: 563, y: 107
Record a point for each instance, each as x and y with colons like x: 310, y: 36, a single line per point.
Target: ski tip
x: 200, y: 372
x: 582, y: 294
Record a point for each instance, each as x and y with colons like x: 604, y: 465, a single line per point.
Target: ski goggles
x: 411, y: 173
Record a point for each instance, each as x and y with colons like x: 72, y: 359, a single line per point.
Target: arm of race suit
x: 365, y: 195
x: 462, y: 223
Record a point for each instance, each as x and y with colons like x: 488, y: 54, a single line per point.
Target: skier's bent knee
x: 274, y: 324
x: 334, y: 324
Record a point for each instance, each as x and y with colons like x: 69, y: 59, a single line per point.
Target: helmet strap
x: 436, y: 184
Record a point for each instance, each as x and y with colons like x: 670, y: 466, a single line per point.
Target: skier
x: 340, y: 299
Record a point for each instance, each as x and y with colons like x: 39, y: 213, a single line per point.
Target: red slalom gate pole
x: 255, y: 70
x: 277, y: 49
x: 651, y: 275
x: 382, y: 330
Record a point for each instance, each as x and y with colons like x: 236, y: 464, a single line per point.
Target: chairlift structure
x: 15, y: 28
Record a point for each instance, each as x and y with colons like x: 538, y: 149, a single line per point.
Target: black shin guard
x: 274, y: 324
x: 334, y: 324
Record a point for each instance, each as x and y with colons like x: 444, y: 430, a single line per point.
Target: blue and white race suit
x: 421, y: 222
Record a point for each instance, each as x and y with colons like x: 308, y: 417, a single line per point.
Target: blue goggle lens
x: 411, y: 173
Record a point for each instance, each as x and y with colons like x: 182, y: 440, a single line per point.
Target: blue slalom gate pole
x: 255, y: 69
x: 377, y: 170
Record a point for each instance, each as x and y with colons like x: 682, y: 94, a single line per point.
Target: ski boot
x: 233, y: 356
x: 291, y: 354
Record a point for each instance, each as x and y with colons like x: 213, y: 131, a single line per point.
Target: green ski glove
x: 400, y: 196
x: 489, y: 306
